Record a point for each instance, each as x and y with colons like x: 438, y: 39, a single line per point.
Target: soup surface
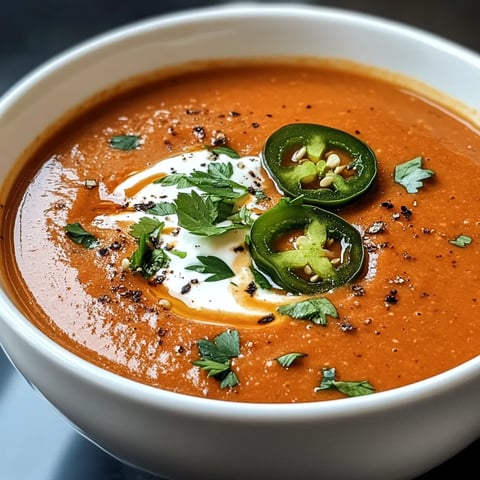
x: 95, y: 255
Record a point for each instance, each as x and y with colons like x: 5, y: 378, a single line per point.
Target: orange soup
x: 172, y: 233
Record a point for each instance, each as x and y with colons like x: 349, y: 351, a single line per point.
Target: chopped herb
x: 350, y: 389
x: 410, y: 174
x: 146, y: 260
x: 215, y: 181
x: 146, y: 225
x: 200, y: 215
x: 288, y: 359
x: 315, y: 310
x: 461, y: 241
x: 260, y: 279
x: 125, y: 142
x: 178, y: 253
x: 79, y: 235
x: 213, y: 265
x: 216, y: 357
x: 224, y: 150
x: 162, y: 209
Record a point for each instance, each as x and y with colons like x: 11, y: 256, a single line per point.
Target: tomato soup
x: 148, y: 234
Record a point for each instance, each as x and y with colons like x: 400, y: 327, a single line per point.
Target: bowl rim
x: 194, y: 405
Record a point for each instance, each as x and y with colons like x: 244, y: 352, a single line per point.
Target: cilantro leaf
x: 288, y: 359
x: 350, y: 389
x: 79, y: 235
x: 461, y: 241
x: 410, y: 174
x: 216, y: 357
x: 146, y: 225
x: 125, y: 142
x: 214, y: 265
x: 315, y: 310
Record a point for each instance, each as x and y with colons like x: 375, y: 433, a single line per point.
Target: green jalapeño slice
x: 305, y: 249
x: 327, y: 166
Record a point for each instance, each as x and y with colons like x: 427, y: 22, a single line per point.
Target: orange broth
x: 412, y: 314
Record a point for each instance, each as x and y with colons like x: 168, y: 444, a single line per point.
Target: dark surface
x: 35, y: 442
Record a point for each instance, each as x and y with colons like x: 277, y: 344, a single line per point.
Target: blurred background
x: 35, y: 443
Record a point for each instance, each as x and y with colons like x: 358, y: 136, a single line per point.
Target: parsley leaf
x: 350, y: 389
x: 410, y: 174
x: 288, y: 359
x: 79, y: 235
x: 125, y: 142
x: 214, y: 265
x: 223, y: 150
x: 146, y: 260
x: 461, y: 241
x: 315, y: 310
x: 162, y: 209
x: 146, y: 225
x: 215, y: 181
x: 216, y: 357
x: 199, y: 215
x: 260, y: 279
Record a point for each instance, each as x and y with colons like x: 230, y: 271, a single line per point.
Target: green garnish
x: 223, y: 150
x: 410, y: 174
x: 79, y: 235
x: 218, y: 269
x: 215, y: 181
x: 288, y: 359
x: 125, y: 142
x: 350, y: 389
x: 260, y: 279
x: 201, y: 215
x: 162, y: 209
x: 315, y: 310
x: 147, y: 260
x: 216, y: 357
x: 461, y: 241
x: 148, y: 225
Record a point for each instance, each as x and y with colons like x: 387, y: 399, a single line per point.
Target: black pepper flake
x: 406, y: 212
x: 104, y: 299
x: 266, y: 319
x: 134, y: 295
x: 387, y: 204
x: 157, y: 280
x: 103, y: 251
x: 143, y: 207
x: 186, y: 288
x: 391, y: 298
x: 161, y: 332
x: 199, y: 132
x: 218, y: 139
x: 346, y: 326
x: 251, y: 289
x: 115, y: 246
x: 255, y: 124
x: 234, y: 114
x: 239, y: 248
x: 358, y: 290
x: 191, y: 111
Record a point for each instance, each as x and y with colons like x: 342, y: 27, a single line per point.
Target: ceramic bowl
x: 397, y: 434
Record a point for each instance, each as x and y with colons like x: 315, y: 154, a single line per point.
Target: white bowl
x: 396, y: 434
